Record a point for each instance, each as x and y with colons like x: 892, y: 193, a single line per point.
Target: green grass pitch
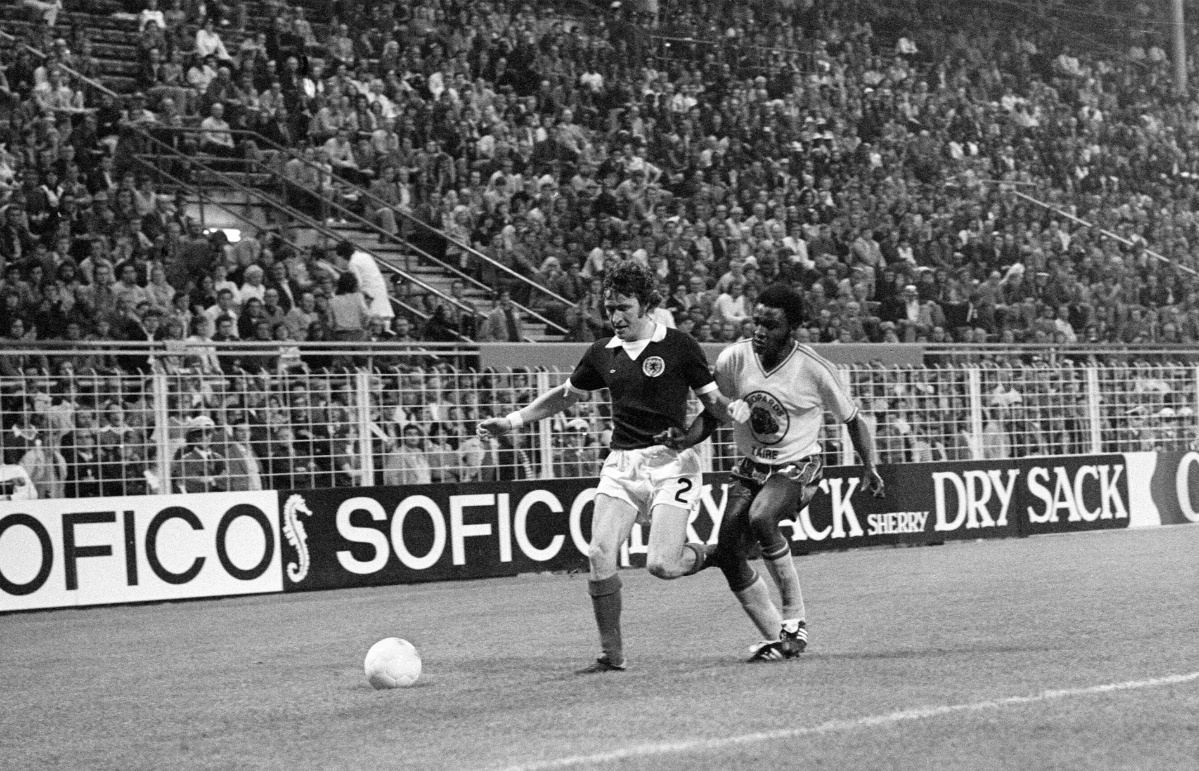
x: 276, y: 682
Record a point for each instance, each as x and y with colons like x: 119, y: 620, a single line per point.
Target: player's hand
x: 873, y: 483
x: 673, y: 439
x: 493, y: 427
x: 739, y: 411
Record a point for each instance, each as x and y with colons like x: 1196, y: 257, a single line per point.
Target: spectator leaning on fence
x: 199, y: 468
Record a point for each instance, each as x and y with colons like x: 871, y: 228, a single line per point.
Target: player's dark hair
x: 787, y: 300
x: 633, y: 279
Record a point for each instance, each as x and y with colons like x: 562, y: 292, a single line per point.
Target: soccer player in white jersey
x: 648, y: 370
x: 779, y: 391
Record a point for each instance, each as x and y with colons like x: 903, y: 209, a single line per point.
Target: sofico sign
x: 119, y: 550
x: 1165, y: 487
x: 388, y: 535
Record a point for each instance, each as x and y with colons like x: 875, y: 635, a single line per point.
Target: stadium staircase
x: 173, y: 169
x: 539, y: 326
x: 252, y: 193
x: 256, y: 192
x: 111, y: 25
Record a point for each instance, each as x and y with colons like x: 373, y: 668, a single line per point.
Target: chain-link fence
x: 200, y: 429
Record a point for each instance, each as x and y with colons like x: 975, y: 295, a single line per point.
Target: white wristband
x: 515, y: 419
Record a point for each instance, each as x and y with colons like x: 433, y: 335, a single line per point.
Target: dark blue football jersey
x: 648, y: 387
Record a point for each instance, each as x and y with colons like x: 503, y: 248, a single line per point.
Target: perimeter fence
x: 188, y: 422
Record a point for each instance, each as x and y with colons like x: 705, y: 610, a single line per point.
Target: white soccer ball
x: 392, y: 663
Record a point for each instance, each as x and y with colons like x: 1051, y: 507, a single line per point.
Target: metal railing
x: 407, y: 307
x: 1090, y: 225
x: 209, y: 417
x: 142, y: 134
x: 364, y: 194
x: 98, y: 86
x: 362, y: 221
x: 294, y: 214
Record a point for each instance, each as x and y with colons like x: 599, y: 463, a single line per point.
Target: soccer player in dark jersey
x: 648, y: 369
x: 779, y: 392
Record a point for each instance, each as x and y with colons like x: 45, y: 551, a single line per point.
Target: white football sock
x: 759, y: 606
x: 782, y: 570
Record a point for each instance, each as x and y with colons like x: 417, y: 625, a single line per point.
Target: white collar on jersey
x: 781, y: 361
x: 635, y: 348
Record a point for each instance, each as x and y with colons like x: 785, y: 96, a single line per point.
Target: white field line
x: 839, y: 726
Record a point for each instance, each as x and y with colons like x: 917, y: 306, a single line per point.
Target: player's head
x: 780, y: 310
x: 787, y: 300
x: 632, y: 279
x: 630, y: 293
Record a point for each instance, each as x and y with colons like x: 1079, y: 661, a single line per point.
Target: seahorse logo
x: 293, y: 530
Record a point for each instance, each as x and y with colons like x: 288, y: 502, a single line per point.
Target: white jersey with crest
x: 787, y: 404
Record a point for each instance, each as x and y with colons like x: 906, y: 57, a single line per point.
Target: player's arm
x: 863, y: 443
x: 704, y: 424
x: 718, y: 409
x: 835, y: 395
x: 549, y: 403
x: 725, y: 374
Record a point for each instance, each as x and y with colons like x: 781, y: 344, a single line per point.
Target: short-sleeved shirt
x: 648, y: 381
x: 787, y: 404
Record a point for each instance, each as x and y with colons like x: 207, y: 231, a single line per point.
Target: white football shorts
x: 652, y: 476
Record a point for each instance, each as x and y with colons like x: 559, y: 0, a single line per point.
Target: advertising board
x: 119, y: 550
x: 57, y: 553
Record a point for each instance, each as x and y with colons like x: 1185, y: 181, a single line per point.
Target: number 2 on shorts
x: 684, y: 488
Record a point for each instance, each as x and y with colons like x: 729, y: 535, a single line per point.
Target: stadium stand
x: 790, y: 143
x: 920, y: 178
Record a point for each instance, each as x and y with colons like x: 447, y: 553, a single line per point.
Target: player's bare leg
x: 668, y: 553
x: 754, y: 596
x: 747, y: 586
x: 782, y: 569
x: 610, y: 527
x: 780, y: 498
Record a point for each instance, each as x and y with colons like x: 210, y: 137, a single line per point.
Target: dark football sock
x: 605, y: 600
x: 703, y: 557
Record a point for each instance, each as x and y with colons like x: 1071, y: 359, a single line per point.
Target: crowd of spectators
x: 775, y: 142
x: 730, y: 146
x: 873, y: 154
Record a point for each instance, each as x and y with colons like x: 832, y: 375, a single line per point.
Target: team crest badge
x: 768, y: 419
x: 653, y: 366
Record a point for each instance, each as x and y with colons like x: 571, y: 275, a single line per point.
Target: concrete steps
x: 115, y: 37
x: 115, y: 46
x: 399, y: 257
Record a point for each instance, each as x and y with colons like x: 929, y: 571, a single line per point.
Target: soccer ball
x: 392, y: 663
